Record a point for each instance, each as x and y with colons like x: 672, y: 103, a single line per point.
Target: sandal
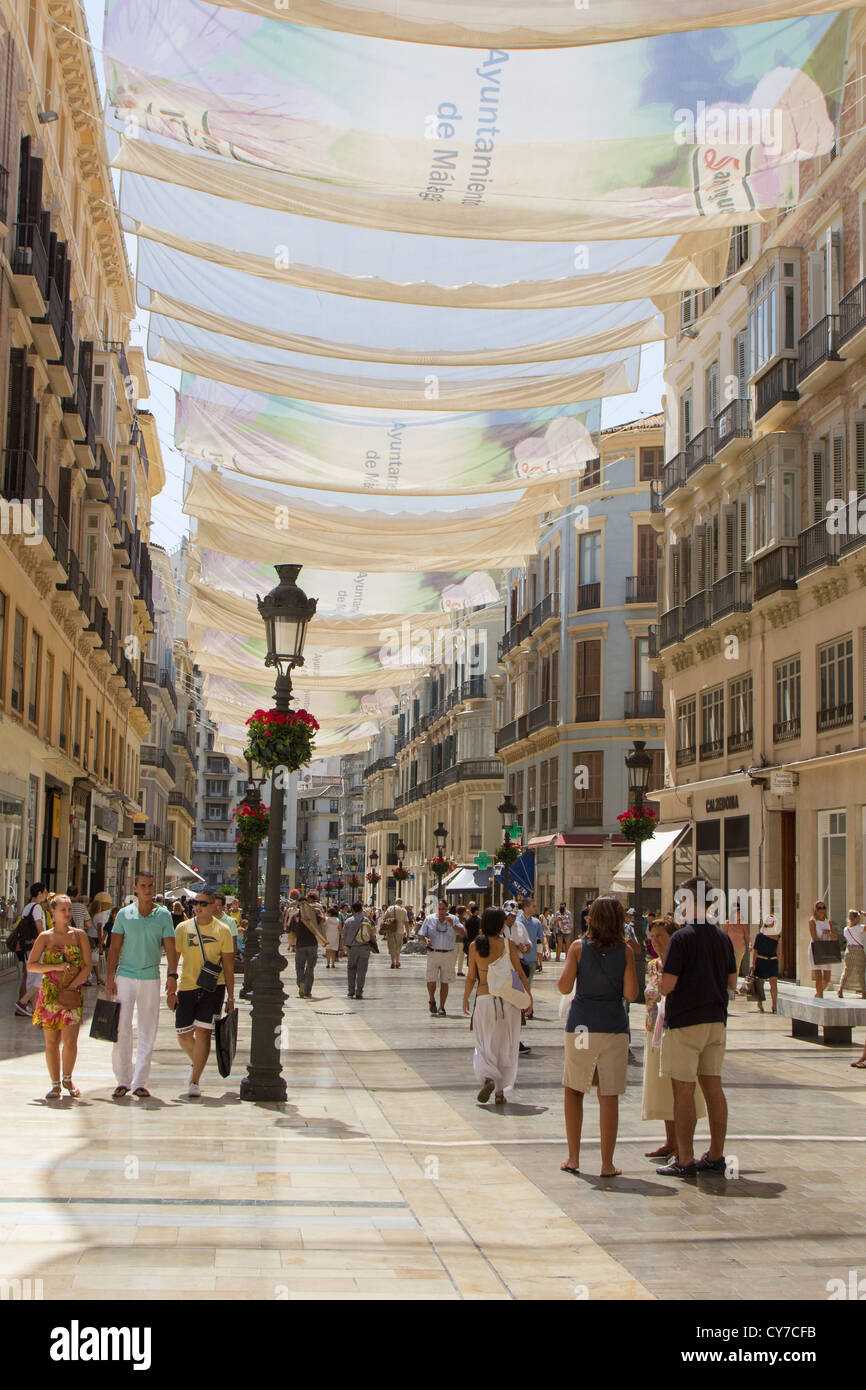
x: 119, y: 1092
x: 142, y: 1092
x: 55, y: 1093
x: 567, y: 1168
x: 71, y: 1086
x: 859, y: 1065
x: 499, y: 1098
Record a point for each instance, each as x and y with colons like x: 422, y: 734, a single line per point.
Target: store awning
x: 652, y: 851
x: 467, y: 879
x: 176, y: 869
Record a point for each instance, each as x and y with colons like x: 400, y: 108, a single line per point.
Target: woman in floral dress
x: 55, y: 956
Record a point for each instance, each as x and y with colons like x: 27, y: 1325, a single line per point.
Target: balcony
x: 776, y: 393
x: 182, y: 742
x: 166, y: 683
x: 696, y: 612
x: 641, y: 588
x: 673, y: 476
x: 21, y: 478
x: 512, y: 733
x: 731, y: 594
x: 834, y: 717
x: 475, y: 688
x: 739, y: 741
x: 178, y: 799
x: 78, y: 419
x: 775, y: 571
x: 48, y: 330
x: 99, y: 476
x: 543, y: 716
x: 384, y: 813
x: 852, y: 321
x: 157, y: 757
x: 818, y: 361
x: 732, y: 429
x: 588, y: 596
x: 142, y: 699
x: 855, y: 536
x: 786, y: 730
x: 545, y: 610
x: 587, y: 709
x: 30, y: 269
x: 687, y: 755
x: 698, y: 452
x: 712, y: 748
x: 670, y: 628
x: 817, y: 548
x: 643, y: 704
x: 588, y: 813
x: 656, y: 503
x: 61, y: 371
x: 653, y: 636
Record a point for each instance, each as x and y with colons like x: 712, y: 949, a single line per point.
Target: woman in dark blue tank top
x: 600, y: 966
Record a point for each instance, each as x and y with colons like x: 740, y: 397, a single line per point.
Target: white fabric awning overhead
x: 467, y: 879
x: 652, y: 850
x: 176, y: 870
x: 528, y: 23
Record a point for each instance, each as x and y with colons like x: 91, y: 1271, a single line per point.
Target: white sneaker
x: 189, y: 1078
x: 193, y: 1090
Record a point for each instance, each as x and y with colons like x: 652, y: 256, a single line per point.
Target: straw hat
x: 102, y: 900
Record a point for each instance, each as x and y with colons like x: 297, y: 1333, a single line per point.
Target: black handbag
x: 226, y: 1041
x: 827, y: 952
x: 106, y: 1017
x: 208, y: 976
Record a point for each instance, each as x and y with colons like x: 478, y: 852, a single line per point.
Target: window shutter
x: 712, y: 394
x: 743, y: 532
x: 839, y: 466
x: 859, y: 479
x: 700, y: 558
x: 675, y: 578
x: 730, y: 518
x: 714, y: 540
x: 817, y: 466
x: 741, y: 364
x: 817, y: 267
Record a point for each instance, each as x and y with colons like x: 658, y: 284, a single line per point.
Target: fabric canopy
x: 528, y: 23
x: 652, y: 850
x: 342, y: 449
x: 220, y: 653
x: 278, y: 528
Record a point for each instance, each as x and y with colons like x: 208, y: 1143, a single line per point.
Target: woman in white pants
x: 494, y: 964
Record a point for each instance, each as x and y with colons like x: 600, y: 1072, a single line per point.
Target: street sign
x: 781, y: 783
x: 482, y: 860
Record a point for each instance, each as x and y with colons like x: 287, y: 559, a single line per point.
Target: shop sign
x: 781, y: 783
x: 723, y: 803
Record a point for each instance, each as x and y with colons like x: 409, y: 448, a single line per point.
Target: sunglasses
x: 200, y: 902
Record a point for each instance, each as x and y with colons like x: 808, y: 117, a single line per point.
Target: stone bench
x: 834, y: 1017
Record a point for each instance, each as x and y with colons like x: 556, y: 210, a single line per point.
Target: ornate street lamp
x: 374, y: 860
x: 507, y: 811
x: 285, y: 611
x: 638, y: 763
x: 440, y: 835
x: 249, y: 889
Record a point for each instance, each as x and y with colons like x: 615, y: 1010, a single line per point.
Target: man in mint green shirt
x: 138, y: 935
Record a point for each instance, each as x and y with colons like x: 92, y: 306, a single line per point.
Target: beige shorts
x: 596, y: 1059
x: 688, y: 1053
x: 440, y: 966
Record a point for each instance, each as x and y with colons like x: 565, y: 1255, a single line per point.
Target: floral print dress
x: 48, y: 1013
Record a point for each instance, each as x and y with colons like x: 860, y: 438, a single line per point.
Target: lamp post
x: 507, y: 811
x: 440, y: 835
x: 286, y: 611
x: 249, y: 889
x: 374, y: 860
x: 638, y: 763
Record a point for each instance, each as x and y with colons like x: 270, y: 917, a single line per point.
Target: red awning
x: 581, y: 841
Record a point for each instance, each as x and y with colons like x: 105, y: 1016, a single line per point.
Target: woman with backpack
x: 503, y: 992
x: 34, y: 919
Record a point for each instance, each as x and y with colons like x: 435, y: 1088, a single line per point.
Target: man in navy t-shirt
x: 699, y: 971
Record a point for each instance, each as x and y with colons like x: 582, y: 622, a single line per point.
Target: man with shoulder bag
x: 394, y: 925
x: 357, y: 937
x: 207, y: 979
x: 33, y: 920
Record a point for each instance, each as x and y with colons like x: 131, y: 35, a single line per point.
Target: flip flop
x: 119, y: 1092
x: 617, y: 1173
x: 859, y: 1065
x: 567, y: 1168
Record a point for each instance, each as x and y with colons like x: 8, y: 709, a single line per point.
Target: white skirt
x: 496, y: 1026
x: 332, y: 934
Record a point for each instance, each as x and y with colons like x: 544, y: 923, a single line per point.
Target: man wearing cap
x: 440, y: 930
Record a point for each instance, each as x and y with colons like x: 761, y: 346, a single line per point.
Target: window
x: 553, y: 793
x: 686, y: 731
x: 17, y: 690
x: 214, y: 787
x: 656, y: 777
x: 476, y: 824
x: 651, y: 464
x: 689, y: 309
x: 836, y: 684
x: 711, y: 394
x: 530, y: 801
x: 86, y: 748
x: 49, y: 695
x: 685, y: 418
x: 517, y: 794
x: 591, y: 476
x: 333, y: 830
x: 587, y: 681
x: 588, y: 783
x: 832, y: 859
x: 213, y: 811
x: 739, y: 252
x: 713, y: 722
x: 740, y: 713
x: 65, y: 710
x: 35, y: 677
x: 333, y: 806
x: 543, y: 795
x: 590, y: 558
x: 762, y: 320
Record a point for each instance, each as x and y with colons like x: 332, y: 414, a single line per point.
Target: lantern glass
x: 286, y: 611
x: 638, y: 762
x: 507, y: 811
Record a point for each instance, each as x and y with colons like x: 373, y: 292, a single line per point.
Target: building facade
x: 762, y: 641
x: 76, y: 607
x: 318, y: 802
x: 577, y: 687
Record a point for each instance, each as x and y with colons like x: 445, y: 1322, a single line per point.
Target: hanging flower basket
x: 281, y: 740
x: 338, y: 883
x: 637, y: 825
x: 400, y: 874
x: 507, y: 853
x: 373, y: 877
x: 440, y: 865
x: 354, y: 881
x: 252, y: 821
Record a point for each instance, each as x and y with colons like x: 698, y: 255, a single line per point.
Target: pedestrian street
x: 382, y: 1177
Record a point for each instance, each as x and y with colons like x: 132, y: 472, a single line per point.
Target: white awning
x: 467, y: 879
x: 652, y: 851
x: 176, y: 869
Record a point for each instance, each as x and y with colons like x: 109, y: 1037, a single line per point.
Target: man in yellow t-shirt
x: 195, y: 1009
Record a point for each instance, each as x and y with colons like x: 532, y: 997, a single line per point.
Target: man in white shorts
x: 440, y: 930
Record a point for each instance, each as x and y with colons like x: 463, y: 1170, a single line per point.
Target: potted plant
x: 373, y: 877
x: 400, y: 874
x: 637, y: 824
x: 251, y: 823
x: 281, y: 740
x: 507, y: 853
